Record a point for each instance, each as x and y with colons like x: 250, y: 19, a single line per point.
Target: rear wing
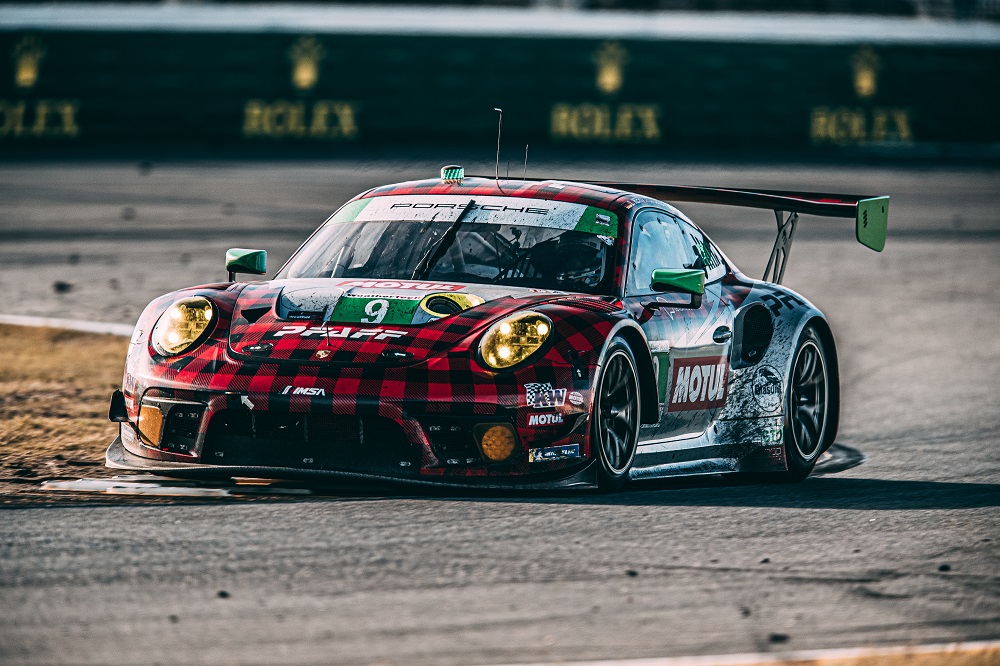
x: 870, y: 213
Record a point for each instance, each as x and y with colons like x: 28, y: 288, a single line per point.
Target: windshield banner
x: 486, y: 210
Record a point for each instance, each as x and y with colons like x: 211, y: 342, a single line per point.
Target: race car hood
x: 364, y: 321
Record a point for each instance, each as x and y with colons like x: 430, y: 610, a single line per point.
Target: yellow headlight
x: 183, y: 325
x: 511, y: 340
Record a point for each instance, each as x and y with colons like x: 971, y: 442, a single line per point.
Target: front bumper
x: 582, y: 476
x: 332, y: 431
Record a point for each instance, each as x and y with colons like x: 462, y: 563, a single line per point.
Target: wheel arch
x: 649, y: 406
x: 825, y: 333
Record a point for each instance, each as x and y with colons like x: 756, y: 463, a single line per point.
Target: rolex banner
x: 232, y: 93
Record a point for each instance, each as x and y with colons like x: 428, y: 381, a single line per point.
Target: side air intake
x: 752, y: 333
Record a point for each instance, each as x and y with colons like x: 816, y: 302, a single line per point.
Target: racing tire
x: 615, y: 417
x: 809, y: 407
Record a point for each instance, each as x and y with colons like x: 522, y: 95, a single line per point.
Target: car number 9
x: 376, y: 311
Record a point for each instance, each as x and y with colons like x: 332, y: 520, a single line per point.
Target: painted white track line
x: 813, y: 656
x: 68, y: 324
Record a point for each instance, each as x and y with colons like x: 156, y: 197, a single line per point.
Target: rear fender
x: 757, y: 391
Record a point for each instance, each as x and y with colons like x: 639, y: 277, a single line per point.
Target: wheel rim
x: 618, y: 413
x: 807, y: 400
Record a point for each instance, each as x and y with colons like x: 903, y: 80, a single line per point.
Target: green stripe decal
x: 598, y: 221
x: 351, y: 210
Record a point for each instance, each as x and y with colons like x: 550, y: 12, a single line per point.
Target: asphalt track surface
x: 902, y: 549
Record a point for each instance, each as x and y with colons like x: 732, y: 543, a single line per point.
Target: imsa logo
x: 303, y: 390
x: 698, y: 383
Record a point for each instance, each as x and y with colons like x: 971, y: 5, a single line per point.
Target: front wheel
x: 807, y: 406
x: 615, y: 416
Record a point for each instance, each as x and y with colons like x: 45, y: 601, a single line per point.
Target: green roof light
x: 452, y: 173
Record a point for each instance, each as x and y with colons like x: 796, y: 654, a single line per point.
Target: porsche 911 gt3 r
x: 494, y: 333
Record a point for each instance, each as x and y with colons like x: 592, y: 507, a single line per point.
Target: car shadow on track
x: 813, y: 493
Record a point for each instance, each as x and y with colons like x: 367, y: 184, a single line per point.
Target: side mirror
x: 239, y: 260
x: 680, y: 281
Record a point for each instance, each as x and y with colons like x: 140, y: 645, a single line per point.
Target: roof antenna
x: 525, y: 174
x: 499, y: 125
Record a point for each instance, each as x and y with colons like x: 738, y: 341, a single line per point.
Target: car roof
x: 554, y: 190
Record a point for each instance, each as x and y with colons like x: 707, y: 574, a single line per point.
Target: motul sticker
x: 402, y: 284
x: 698, y: 383
x: 545, y: 419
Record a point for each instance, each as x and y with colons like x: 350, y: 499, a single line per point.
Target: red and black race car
x: 494, y: 333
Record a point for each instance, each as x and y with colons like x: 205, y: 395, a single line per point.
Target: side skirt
x: 736, y: 445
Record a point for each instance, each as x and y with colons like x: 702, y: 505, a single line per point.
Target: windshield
x: 475, y: 242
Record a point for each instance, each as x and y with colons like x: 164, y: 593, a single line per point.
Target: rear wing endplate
x: 870, y: 213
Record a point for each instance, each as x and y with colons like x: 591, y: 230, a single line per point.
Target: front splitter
x: 118, y: 457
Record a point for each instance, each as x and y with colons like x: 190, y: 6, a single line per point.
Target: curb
x: 81, y: 325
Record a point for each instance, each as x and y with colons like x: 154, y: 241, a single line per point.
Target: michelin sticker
x: 766, y: 388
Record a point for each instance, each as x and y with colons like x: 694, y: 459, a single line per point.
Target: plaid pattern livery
x: 254, y: 361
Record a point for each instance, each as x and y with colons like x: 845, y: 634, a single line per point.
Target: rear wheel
x: 615, y: 416
x: 808, y: 430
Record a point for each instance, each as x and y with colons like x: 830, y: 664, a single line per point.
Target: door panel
x: 691, y: 367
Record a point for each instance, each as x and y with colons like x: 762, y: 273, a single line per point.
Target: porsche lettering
x: 489, y: 207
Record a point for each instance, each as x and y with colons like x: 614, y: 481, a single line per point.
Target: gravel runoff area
x: 899, y: 550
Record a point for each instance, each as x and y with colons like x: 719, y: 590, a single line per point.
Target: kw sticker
x: 339, y: 332
x: 543, y: 396
x: 698, y: 383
